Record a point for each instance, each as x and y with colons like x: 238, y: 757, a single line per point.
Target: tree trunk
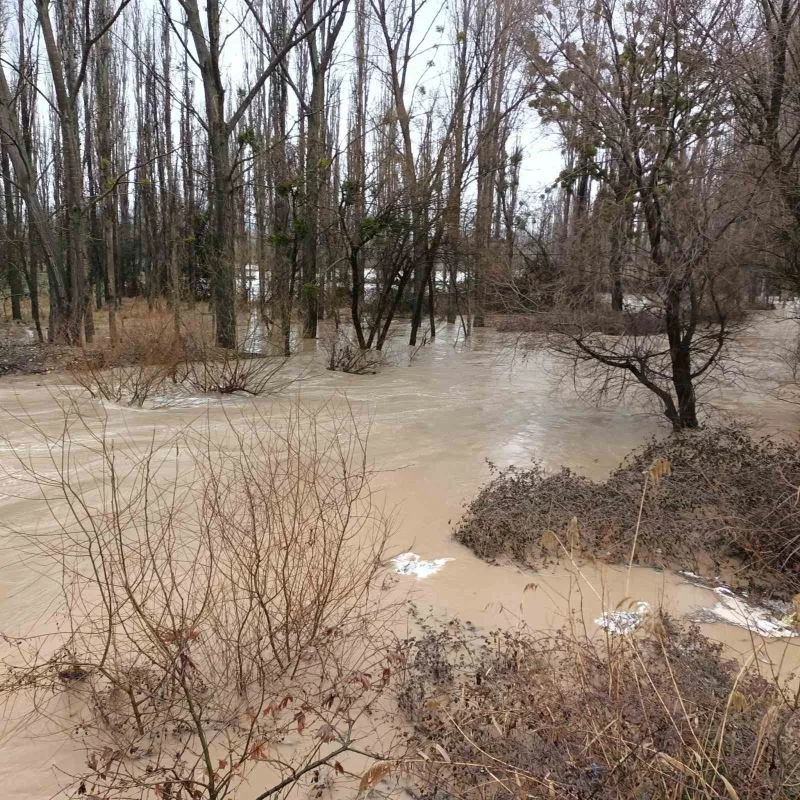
x: 67, y: 319
x: 15, y: 146
x: 314, y: 168
x: 14, y: 238
x: 681, y: 358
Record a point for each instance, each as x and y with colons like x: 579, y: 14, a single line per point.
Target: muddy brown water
x: 435, y: 424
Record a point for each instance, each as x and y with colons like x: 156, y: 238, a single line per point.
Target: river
x: 435, y: 423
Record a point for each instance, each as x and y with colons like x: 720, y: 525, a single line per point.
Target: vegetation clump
x: 730, y: 499
x: 658, y: 715
x: 153, y: 353
x: 216, y: 370
x: 146, y: 355
x: 606, y: 321
x: 345, y: 355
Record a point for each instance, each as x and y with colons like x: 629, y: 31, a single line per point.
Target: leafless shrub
x: 661, y: 714
x: 414, y: 350
x: 344, y: 355
x: 217, y: 603
x: 147, y: 355
x: 215, y: 370
x: 729, y: 497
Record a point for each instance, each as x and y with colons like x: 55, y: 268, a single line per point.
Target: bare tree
x: 647, y: 90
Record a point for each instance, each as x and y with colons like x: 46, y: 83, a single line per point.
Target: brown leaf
x: 258, y: 752
x: 374, y: 775
x: 364, y: 678
x: 326, y: 732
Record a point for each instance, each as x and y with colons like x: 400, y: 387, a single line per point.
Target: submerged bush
x: 152, y: 353
x: 728, y: 497
x: 216, y: 602
x: 661, y: 715
x: 344, y: 355
x: 146, y: 356
x: 215, y: 370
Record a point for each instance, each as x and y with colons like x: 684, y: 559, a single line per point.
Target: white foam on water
x: 412, y: 564
x: 735, y: 611
x: 621, y: 623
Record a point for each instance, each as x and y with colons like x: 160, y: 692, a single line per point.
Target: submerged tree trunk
x: 104, y: 94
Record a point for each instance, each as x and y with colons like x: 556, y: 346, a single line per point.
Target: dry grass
x: 658, y: 715
x: 152, y: 353
x: 728, y: 497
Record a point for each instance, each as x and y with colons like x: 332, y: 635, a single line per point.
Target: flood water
x: 435, y: 423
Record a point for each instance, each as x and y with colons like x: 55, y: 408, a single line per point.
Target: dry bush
x: 215, y: 370
x: 659, y: 715
x: 344, y: 355
x: 151, y: 353
x: 217, y: 603
x: 729, y: 497
x: 146, y: 356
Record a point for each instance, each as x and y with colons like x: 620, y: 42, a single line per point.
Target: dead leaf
x: 258, y: 752
x: 573, y: 534
x: 374, y: 775
x: 442, y: 752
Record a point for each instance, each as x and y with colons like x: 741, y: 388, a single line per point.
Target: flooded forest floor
x: 591, y: 630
